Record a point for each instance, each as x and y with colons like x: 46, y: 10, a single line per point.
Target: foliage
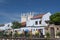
x: 16, y: 24
x: 55, y: 18
x: 1, y: 34
x: 27, y: 35
x: 16, y: 34
x: 47, y: 35
x: 58, y: 34
x: 6, y: 34
x: 37, y: 33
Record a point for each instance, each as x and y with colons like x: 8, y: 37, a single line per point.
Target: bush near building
x: 1, y: 33
x: 58, y: 34
x: 47, y: 35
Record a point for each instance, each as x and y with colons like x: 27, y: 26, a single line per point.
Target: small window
x: 39, y: 22
x: 47, y: 29
x: 57, y: 28
x: 36, y: 22
x: 8, y: 25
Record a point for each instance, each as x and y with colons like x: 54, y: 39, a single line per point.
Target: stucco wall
x: 56, y: 29
x: 43, y: 23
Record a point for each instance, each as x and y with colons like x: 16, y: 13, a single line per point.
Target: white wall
x: 6, y: 26
x: 26, y: 16
x: 46, y: 17
x: 32, y: 22
x: 43, y: 23
x: 33, y: 29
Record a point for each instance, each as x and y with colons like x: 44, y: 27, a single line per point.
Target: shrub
x: 36, y: 33
x: 58, y: 34
x: 48, y: 35
x: 1, y: 34
x: 16, y: 34
x: 5, y: 34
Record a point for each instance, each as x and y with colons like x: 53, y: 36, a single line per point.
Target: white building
x: 6, y: 26
x: 38, y: 22
x: 26, y: 16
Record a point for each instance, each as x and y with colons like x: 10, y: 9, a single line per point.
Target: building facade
x: 6, y: 26
x: 39, y: 22
x: 53, y: 30
x: 26, y: 16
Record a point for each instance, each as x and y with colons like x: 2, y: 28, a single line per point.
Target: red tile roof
x: 35, y: 17
x: 38, y: 16
x: 23, y: 23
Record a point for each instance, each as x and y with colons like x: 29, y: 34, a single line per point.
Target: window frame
x: 40, y: 21
x: 36, y: 22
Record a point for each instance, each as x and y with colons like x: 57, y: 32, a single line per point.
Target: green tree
x: 55, y: 18
x: 16, y: 24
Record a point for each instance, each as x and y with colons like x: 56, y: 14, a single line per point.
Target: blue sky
x: 10, y: 10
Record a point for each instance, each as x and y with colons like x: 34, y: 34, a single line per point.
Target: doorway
x: 52, y: 32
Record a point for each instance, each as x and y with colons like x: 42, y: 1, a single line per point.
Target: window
x: 8, y: 25
x: 39, y: 22
x: 46, y: 28
x: 36, y: 22
x: 57, y: 28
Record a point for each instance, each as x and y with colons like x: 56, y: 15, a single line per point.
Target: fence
x: 19, y: 38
